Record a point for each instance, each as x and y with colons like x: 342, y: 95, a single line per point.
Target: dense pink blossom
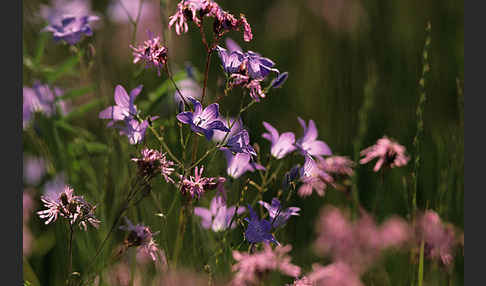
x: 152, y: 162
x: 389, y: 154
x: 194, y: 186
x: 249, y: 267
x: 439, y: 237
x: 357, y: 243
x: 142, y: 237
x: 151, y: 52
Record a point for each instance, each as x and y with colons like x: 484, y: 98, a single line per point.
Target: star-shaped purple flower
x: 258, y: 230
x: 240, y: 143
x: 278, y: 215
x: 249, y: 63
x: 124, y: 107
x: 309, y: 144
x: 281, y: 144
x: 218, y: 216
x: 240, y: 163
x: 126, y: 111
x: 71, y: 28
x: 203, y: 121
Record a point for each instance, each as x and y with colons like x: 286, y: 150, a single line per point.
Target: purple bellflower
x: 124, y: 107
x: 218, y: 217
x: 278, y: 215
x: 281, y: 144
x: 239, y: 164
x: 125, y: 110
x: 71, y: 28
x: 234, y: 125
x: 40, y: 98
x: 258, y: 230
x: 240, y: 143
x: 309, y: 144
x: 34, y: 169
x: 203, y: 121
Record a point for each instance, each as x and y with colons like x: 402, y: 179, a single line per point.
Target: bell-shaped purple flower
x: 124, y: 107
x: 281, y: 144
x: 240, y: 143
x: 239, y: 164
x: 71, y: 28
x: 258, y: 230
x: 278, y: 215
x: 218, y: 217
x: 203, y: 121
x: 309, y: 144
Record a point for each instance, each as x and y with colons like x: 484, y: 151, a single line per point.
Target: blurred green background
x: 338, y: 53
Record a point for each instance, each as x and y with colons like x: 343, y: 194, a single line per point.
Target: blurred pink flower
x: 336, y: 274
x: 389, y: 153
x: 440, y: 239
x: 358, y: 243
x: 142, y: 237
x: 250, y: 266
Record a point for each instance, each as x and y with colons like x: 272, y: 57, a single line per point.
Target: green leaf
x: 29, y: 275
x: 74, y: 129
x: 82, y: 109
x: 95, y: 147
x: 66, y: 67
x: 73, y: 93
x: 41, y: 43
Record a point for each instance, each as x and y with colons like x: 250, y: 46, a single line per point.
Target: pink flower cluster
x: 357, y: 244
x: 195, y: 186
x: 250, y: 267
x: 142, y: 237
x: 389, y: 153
x: 195, y: 10
x: 152, y: 162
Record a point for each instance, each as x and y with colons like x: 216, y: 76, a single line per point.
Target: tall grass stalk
x: 420, y: 120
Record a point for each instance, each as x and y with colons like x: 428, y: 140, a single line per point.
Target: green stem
x: 164, y: 145
x: 180, y: 235
x: 421, y: 264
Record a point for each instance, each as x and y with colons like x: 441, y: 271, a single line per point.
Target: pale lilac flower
x: 281, y: 144
x: 71, y: 28
x: 59, y: 8
x: 124, y: 107
x: 151, y: 52
x: 189, y: 88
x: 34, y: 169
x: 232, y: 45
x: 126, y: 111
x: 309, y: 144
x: 233, y: 124
x: 135, y: 130
x: 439, y: 238
x: 67, y: 205
x: 278, y: 215
x: 359, y: 243
x: 240, y: 143
x: 389, y: 153
x: 40, y: 98
x: 203, y: 121
x: 313, y: 178
x: 336, y: 274
x: 239, y: 164
x: 250, y: 267
x: 142, y: 237
x: 218, y: 217
x: 152, y: 162
x: 258, y: 230
x: 194, y: 186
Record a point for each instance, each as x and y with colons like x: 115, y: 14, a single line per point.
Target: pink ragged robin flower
x: 151, y: 52
x: 389, y: 154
